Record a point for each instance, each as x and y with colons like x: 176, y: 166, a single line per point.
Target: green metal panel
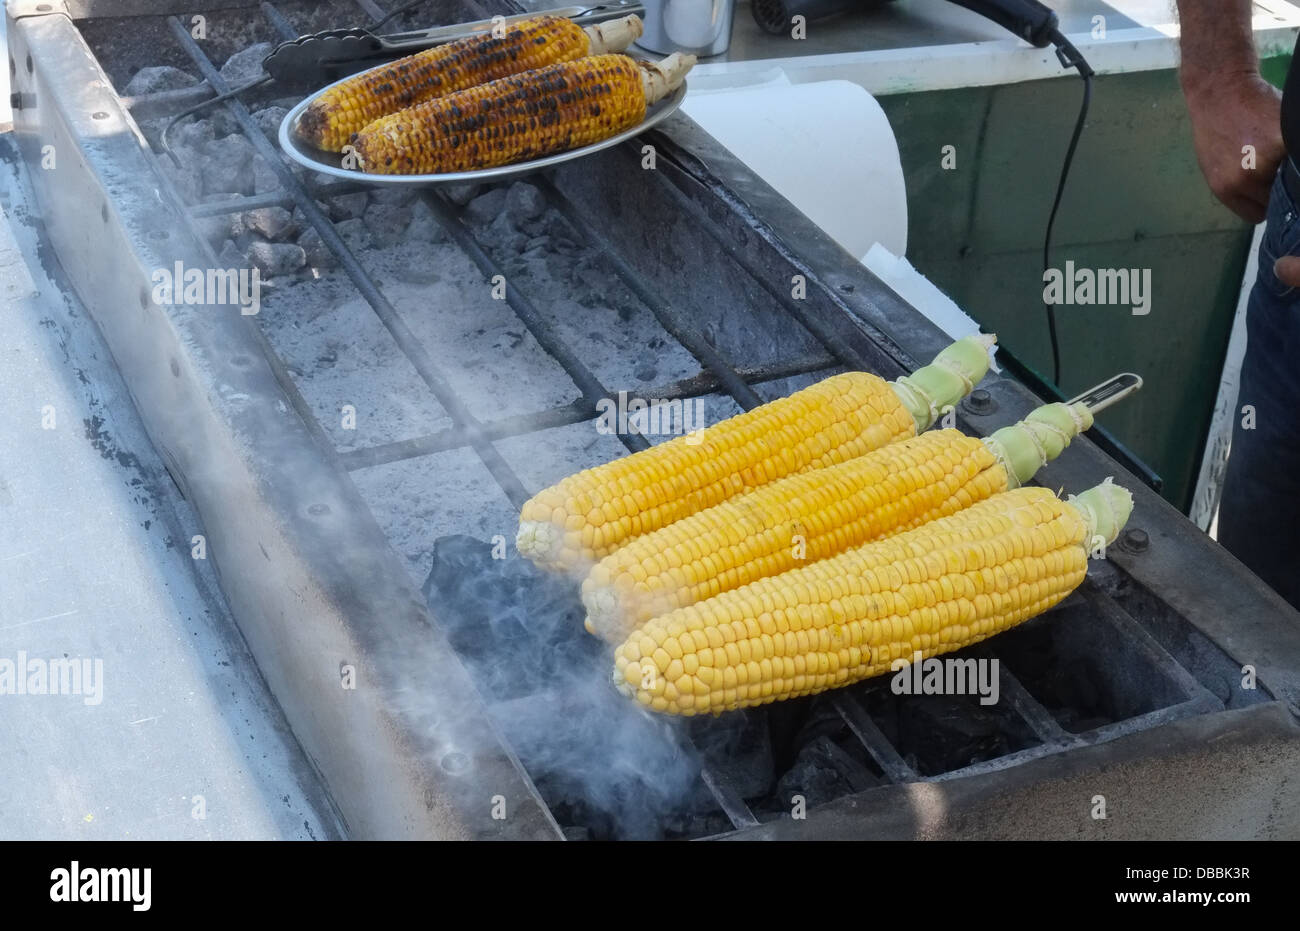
x: 1136, y: 200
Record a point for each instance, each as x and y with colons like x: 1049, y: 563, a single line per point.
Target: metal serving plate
x: 330, y: 162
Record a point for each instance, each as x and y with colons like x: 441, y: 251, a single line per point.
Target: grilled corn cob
x: 813, y: 515
x: 524, y: 116
x: 331, y: 119
x: 938, y: 588
x: 589, y: 515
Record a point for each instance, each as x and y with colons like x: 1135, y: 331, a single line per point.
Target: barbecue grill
x: 422, y: 361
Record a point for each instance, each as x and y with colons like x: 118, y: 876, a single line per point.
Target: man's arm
x: 1230, y: 104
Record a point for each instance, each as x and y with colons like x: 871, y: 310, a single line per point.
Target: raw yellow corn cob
x: 588, y: 515
x: 812, y: 515
x: 553, y: 109
x: 347, y: 107
x: 938, y: 588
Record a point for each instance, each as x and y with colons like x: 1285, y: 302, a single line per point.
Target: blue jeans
x: 1259, y: 518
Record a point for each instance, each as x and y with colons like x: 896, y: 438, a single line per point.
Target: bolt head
x: 980, y: 402
x: 1136, y: 540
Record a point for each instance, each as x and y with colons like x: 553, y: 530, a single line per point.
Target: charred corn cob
x: 938, y: 588
x: 350, y: 105
x: 530, y: 115
x: 589, y: 515
x: 813, y: 515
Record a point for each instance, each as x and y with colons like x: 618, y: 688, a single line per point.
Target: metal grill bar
x: 273, y: 199
x: 669, y: 318
x: 1030, y: 709
x: 370, y: 9
x: 733, y: 806
x: 282, y: 25
x: 564, y: 416
x: 882, y: 751
x: 1147, y: 645
x: 387, y: 314
x: 590, y: 386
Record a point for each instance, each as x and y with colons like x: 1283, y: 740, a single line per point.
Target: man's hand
x: 1230, y: 112
x: 1287, y: 270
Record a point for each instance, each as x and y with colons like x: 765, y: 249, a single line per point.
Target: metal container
x: 701, y: 27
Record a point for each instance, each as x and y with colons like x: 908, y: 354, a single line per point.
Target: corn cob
x: 347, y: 107
x: 524, y: 116
x: 938, y: 588
x: 589, y: 515
x: 813, y: 515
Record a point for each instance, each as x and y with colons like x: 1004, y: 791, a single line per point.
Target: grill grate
x: 868, y: 711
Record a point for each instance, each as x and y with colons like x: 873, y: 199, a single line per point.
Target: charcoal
x: 597, y: 759
x: 485, y: 208
x: 589, y: 283
x: 739, y: 749
x: 231, y: 257
x: 425, y: 227
x: 354, y: 234
x: 223, y: 122
x: 317, y: 253
x: 224, y: 225
x: 245, y: 66
x: 192, y: 135
x: 225, y: 165
x: 823, y: 720
x: 386, y: 224
x: 187, y: 177
x: 565, y: 246
x: 268, y: 120
x: 539, y: 245
x: 524, y: 205
x: 265, y: 180
x: 348, y: 206
x: 276, y: 258
x: 156, y: 79
x: 461, y: 194
x: 946, y: 732
x: 822, y: 773
x: 705, y: 825
x: 502, y: 238
x: 271, y: 223
x: 394, y: 195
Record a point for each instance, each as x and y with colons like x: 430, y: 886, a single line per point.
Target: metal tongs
x: 1111, y: 391
x: 323, y: 57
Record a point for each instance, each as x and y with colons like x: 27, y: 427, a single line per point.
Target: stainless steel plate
x: 330, y: 163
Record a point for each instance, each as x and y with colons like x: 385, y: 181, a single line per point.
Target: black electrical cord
x: 1070, y: 58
